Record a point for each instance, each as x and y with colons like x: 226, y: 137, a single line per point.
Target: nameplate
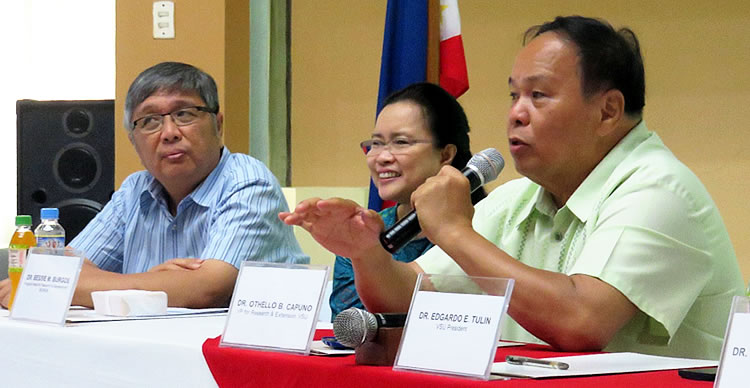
x: 454, y: 333
x: 47, y: 285
x: 735, y: 355
x: 275, y: 307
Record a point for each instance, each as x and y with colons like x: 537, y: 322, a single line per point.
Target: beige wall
x: 335, y: 58
x: 212, y: 35
x: 698, y: 87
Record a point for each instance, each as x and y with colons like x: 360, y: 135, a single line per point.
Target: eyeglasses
x: 184, y: 116
x: 397, y: 146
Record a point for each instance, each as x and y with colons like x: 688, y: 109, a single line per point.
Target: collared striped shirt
x: 231, y: 216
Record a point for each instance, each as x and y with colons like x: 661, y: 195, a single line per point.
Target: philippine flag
x: 453, y: 75
x: 404, y: 56
x: 403, y: 60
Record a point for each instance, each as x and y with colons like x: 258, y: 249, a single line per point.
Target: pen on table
x: 520, y: 360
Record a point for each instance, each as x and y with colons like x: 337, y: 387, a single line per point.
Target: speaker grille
x: 77, y: 122
x: 77, y: 167
x: 65, y: 152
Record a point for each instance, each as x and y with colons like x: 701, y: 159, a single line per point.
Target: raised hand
x: 340, y: 225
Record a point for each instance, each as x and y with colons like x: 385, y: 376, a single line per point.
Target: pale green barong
x: 642, y: 222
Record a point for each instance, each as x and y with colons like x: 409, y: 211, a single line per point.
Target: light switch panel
x: 164, y: 20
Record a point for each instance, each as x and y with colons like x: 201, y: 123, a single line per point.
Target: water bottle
x: 49, y: 233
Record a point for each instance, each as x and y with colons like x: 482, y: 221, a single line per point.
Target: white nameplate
x: 451, y: 333
x: 46, y: 288
x: 275, y: 307
x: 735, y: 357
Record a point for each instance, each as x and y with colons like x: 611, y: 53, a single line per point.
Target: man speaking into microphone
x: 613, y: 243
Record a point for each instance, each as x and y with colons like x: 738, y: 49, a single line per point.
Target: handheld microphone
x: 483, y: 167
x: 353, y: 326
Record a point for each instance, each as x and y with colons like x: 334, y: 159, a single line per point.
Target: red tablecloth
x: 234, y: 367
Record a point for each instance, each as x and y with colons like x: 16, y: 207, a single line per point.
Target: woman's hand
x: 341, y: 226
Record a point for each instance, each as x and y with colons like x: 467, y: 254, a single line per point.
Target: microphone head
x: 487, y: 164
x: 353, y: 326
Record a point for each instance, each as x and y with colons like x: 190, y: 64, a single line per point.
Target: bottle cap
x: 23, y: 220
x: 49, y: 212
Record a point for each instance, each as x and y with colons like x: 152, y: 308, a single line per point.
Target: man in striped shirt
x: 185, y: 224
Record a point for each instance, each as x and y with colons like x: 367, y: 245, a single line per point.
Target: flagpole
x: 433, y: 41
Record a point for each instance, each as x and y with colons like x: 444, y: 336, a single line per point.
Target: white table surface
x: 145, y: 353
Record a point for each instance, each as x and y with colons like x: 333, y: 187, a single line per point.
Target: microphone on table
x: 483, y: 167
x: 353, y: 327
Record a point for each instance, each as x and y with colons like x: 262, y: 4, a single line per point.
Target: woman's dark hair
x: 609, y: 58
x: 445, y: 119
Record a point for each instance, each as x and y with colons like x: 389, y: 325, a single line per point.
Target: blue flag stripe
x: 404, y: 58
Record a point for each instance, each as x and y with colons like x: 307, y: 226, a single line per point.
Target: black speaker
x: 66, y: 159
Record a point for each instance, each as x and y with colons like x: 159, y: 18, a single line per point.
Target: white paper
x: 506, y: 344
x: 598, y: 364
x: 275, y: 307
x: 78, y: 315
x: 448, y: 332
x: 319, y: 348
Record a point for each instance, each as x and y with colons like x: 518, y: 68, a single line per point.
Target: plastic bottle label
x: 55, y: 242
x: 16, y: 258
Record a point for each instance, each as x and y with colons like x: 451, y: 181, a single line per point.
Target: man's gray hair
x: 170, y: 77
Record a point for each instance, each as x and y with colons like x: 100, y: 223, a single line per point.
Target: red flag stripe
x: 453, y: 74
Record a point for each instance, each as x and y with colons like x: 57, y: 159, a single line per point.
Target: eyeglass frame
x: 387, y: 144
x: 170, y: 114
